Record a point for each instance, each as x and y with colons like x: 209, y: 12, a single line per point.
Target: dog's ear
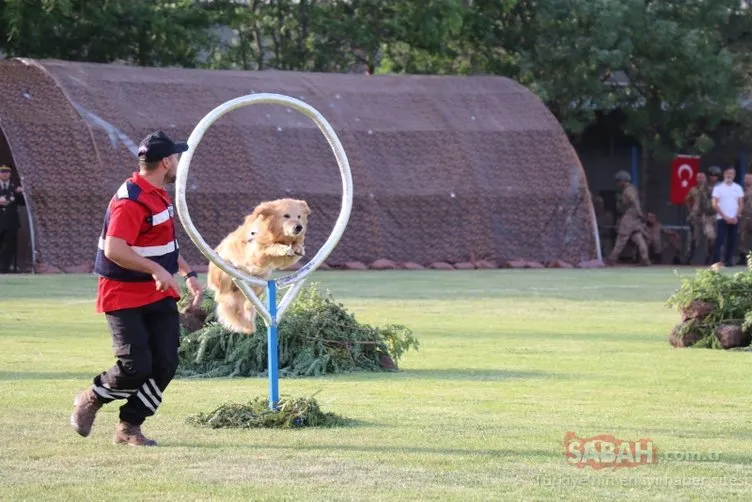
x: 306, y: 207
x: 263, y: 210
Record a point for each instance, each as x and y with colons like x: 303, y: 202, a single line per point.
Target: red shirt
x: 127, y: 220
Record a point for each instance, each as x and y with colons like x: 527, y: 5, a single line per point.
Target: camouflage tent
x: 445, y: 168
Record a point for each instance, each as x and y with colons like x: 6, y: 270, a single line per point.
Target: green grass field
x: 510, y: 361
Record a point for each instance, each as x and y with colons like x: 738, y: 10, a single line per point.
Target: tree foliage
x: 145, y: 33
x: 683, y: 80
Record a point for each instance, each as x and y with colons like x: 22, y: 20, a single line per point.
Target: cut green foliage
x: 316, y: 336
x: 290, y: 414
x: 716, y: 310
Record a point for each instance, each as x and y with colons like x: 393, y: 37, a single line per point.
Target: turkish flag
x: 684, y: 169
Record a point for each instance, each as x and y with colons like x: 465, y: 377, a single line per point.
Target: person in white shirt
x: 728, y: 202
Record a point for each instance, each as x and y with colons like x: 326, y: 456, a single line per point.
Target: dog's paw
x: 298, y: 250
x: 244, y: 327
x: 249, y: 330
x: 280, y: 250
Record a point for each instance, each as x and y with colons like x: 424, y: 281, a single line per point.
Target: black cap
x: 157, y: 145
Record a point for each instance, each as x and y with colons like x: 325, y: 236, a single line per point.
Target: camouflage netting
x: 445, y: 169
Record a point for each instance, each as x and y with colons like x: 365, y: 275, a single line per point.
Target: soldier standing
x: 701, y: 214
x: 11, y: 196
x: 714, y: 173
x: 693, y: 216
x: 632, y: 222
x: 709, y: 216
x: 745, y: 222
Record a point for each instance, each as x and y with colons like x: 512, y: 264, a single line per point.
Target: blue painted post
x: 635, y: 166
x: 271, y: 331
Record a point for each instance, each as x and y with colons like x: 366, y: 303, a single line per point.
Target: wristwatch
x: 190, y: 274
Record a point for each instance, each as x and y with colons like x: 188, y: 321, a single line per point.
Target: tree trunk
x: 258, y: 37
x: 644, y: 170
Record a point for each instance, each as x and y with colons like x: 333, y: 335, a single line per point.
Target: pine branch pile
x: 290, y: 414
x: 715, y: 308
x: 316, y: 336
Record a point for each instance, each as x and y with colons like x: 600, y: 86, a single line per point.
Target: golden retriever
x: 270, y: 238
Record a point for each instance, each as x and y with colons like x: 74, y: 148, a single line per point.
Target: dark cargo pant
x: 145, y: 341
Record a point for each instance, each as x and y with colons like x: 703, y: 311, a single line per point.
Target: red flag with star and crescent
x: 684, y: 169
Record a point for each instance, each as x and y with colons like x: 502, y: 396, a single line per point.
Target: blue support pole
x: 271, y: 331
x: 635, y: 166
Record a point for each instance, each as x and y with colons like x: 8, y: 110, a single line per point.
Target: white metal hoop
x: 242, y: 279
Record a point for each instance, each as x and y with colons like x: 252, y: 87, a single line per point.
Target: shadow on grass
x: 417, y: 374
x: 415, y: 450
x: 45, y: 375
x: 468, y: 374
x: 443, y: 374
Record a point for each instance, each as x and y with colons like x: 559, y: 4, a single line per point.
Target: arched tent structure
x: 445, y: 168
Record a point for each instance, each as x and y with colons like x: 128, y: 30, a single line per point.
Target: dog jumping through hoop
x: 271, y: 238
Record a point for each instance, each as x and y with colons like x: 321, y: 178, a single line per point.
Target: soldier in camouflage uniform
x: 701, y: 217
x: 745, y: 222
x: 632, y: 221
x: 714, y: 175
x: 654, y: 233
